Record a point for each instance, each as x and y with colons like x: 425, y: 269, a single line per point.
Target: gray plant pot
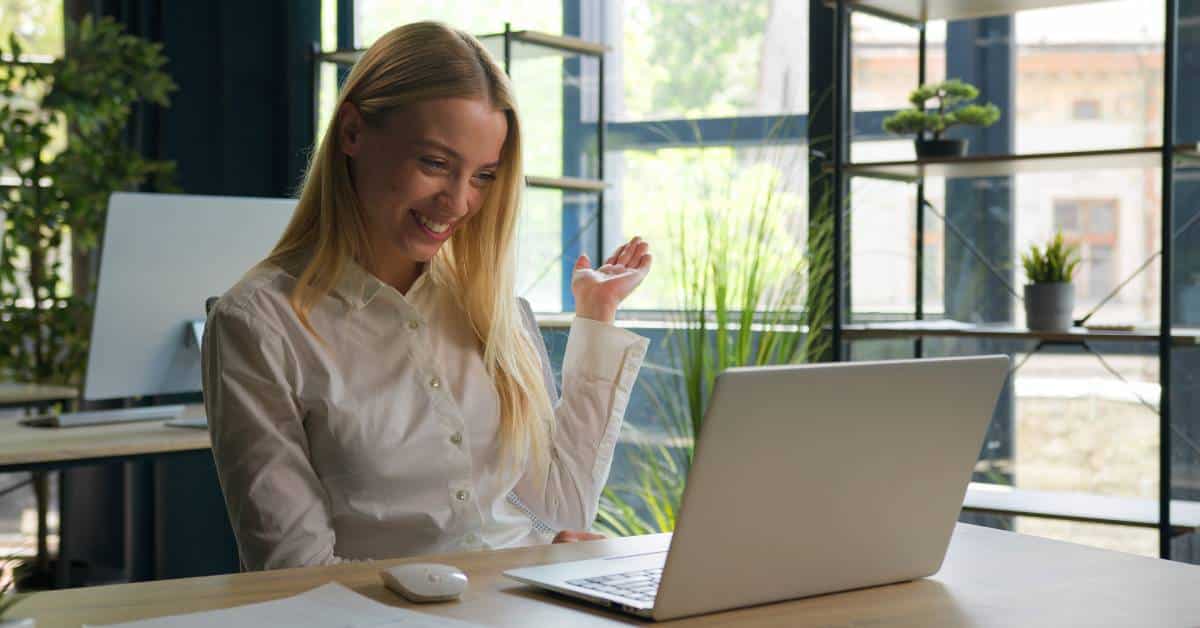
x: 1049, y: 306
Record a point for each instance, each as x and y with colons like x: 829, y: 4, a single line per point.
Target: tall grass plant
x: 740, y: 278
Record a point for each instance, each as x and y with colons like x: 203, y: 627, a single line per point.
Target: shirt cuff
x: 602, y: 351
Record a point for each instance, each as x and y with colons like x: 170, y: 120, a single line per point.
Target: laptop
x: 808, y: 480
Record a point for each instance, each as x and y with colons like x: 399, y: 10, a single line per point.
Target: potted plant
x: 1049, y: 297
x: 953, y: 109
x: 64, y: 144
x: 63, y: 138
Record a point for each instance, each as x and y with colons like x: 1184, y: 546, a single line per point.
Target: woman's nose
x: 455, y: 197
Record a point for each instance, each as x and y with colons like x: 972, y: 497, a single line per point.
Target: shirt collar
x: 357, y: 286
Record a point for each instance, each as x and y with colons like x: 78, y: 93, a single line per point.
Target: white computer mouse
x: 425, y: 582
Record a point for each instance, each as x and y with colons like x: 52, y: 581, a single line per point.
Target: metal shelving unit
x: 972, y: 166
x: 1168, y: 516
x: 511, y: 46
x: 917, y: 12
x: 953, y: 329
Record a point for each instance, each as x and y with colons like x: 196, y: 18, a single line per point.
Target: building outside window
x: 1085, y: 109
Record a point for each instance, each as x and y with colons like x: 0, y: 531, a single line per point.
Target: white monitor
x: 163, y: 255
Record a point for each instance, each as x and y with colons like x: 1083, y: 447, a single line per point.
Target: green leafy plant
x: 741, y: 282
x: 952, y: 110
x: 63, y: 146
x: 8, y: 598
x: 1055, y: 264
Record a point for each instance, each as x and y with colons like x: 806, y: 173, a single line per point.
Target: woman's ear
x: 350, y: 129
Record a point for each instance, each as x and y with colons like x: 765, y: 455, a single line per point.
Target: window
x: 691, y: 74
x: 38, y: 24
x: 1090, y: 77
x: 1090, y: 224
x: 373, y: 18
x: 704, y: 58
x: 1085, y: 109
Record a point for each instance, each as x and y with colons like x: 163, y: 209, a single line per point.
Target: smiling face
x: 421, y: 174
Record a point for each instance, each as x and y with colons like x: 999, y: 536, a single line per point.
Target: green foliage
x: 912, y: 121
x: 1055, y: 264
x: 62, y: 134
x: 976, y: 115
x: 701, y: 56
x: 951, y: 97
x: 741, y: 284
x: 8, y: 599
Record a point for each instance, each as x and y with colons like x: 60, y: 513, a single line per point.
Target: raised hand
x: 599, y: 291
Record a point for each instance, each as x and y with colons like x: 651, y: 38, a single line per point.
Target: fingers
x: 641, y: 252
x: 612, y: 259
x: 629, y: 253
x: 583, y: 262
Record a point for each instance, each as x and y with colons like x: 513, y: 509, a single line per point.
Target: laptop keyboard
x: 636, y: 585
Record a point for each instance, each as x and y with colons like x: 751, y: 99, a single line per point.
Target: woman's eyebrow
x: 453, y: 153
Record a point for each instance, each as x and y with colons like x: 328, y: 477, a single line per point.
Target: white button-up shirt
x: 383, y: 440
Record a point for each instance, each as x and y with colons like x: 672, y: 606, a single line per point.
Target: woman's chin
x: 425, y: 251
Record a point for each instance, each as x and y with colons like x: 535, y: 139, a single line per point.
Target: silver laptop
x: 808, y: 480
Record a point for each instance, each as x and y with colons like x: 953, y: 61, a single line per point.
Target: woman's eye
x: 433, y: 163
x: 486, y: 177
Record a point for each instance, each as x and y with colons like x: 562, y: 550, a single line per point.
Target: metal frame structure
x: 1167, y: 153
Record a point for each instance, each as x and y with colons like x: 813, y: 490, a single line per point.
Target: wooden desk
x: 990, y: 578
x: 42, y: 449
x: 25, y: 448
x: 14, y: 395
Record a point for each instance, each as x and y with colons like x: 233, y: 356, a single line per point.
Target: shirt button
x: 435, y: 382
x: 462, y: 495
x: 456, y: 438
x: 414, y: 325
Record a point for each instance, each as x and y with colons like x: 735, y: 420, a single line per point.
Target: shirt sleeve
x: 276, y: 503
x: 600, y: 368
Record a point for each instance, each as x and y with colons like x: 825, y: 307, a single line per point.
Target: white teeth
x: 436, y: 227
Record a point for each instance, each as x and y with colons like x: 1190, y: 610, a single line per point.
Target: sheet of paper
x: 327, y: 606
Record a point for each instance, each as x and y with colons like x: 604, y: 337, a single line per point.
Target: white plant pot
x: 1049, y: 306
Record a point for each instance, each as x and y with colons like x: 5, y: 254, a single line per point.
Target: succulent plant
x: 1055, y: 264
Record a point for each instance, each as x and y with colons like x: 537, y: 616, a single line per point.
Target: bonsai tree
x: 1055, y: 264
x: 63, y: 142
x: 952, y: 98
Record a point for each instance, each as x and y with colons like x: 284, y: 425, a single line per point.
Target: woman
x: 374, y: 389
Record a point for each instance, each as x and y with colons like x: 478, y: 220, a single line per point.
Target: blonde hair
x: 413, y: 63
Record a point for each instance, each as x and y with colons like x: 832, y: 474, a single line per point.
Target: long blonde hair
x: 413, y: 63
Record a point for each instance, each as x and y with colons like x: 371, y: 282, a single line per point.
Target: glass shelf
x: 340, y: 57
x: 540, y: 45
x: 531, y: 45
x: 569, y: 184
x: 920, y: 11
x: 951, y: 329
x: 1085, y: 507
x: 1007, y: 165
